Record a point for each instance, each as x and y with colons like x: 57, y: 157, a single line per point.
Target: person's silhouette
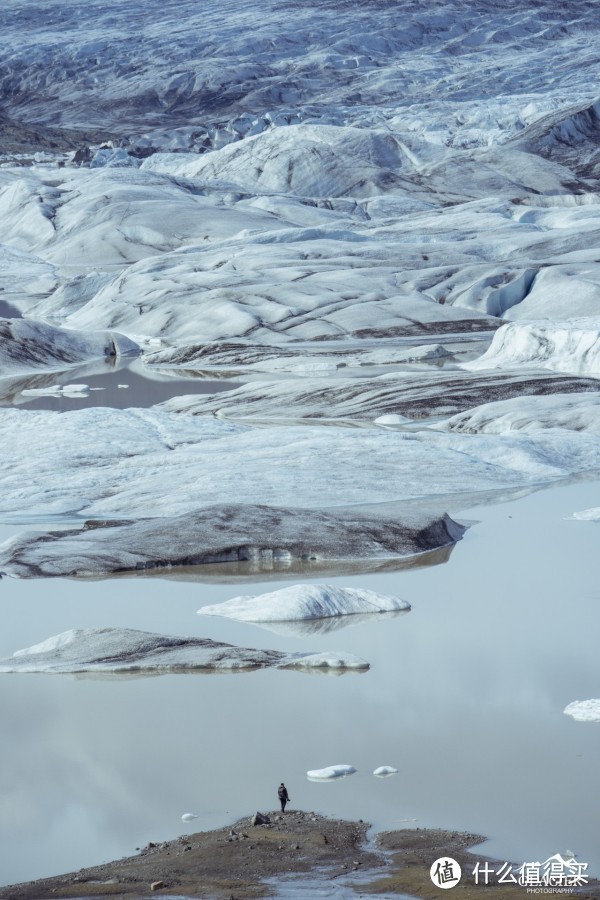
x: 283, y: 795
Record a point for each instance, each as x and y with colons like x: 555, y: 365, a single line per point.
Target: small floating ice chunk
x: 329, y: 772
x: 384, y: 771
x: 587, y: 515
x: 305, y: 601
x: 188, y: 817
x: 584, y: 710
x: 76, y: 389
x: 57, y: 390
x: 50, y: 391
x: 392, y: 419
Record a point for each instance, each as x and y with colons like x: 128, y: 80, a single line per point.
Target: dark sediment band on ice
x: 114, y: 651
x: 269, y: 536
x: 414, y: 396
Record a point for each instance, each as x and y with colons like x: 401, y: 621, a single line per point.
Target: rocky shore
x: 246, y: 860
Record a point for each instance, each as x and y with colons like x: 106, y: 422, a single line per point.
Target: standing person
x: 283, y: 795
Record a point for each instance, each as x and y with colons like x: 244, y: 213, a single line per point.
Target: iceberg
x: 126, y: 651
x: 267, y: 538
x: 305, y: 601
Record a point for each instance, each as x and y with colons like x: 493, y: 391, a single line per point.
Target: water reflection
x: 119, y: 383
x: 329, y: 625
x: 250, y: 571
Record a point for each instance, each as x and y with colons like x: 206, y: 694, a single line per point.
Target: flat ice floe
x: 266, y: 538
x: 330, y: 772
x: 305, y: 601
x: 584, y: 710
x: 123, y: 650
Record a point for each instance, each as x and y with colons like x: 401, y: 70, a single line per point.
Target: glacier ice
x: 305, y: 601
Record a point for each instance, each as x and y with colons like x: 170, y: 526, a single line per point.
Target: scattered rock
x: 260, y: 819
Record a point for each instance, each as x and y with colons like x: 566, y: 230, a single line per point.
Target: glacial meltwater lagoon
x: 465, y: 697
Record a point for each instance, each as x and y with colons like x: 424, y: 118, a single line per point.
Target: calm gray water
x: 464, y: 697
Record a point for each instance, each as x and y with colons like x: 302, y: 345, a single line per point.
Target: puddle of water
x: 8, y: 311
x: 464, y: 698
x: 129, y: 384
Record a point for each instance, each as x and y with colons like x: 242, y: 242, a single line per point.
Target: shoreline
x: 245, y: 860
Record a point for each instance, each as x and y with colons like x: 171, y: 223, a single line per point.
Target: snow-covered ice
x: 305, y: 601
